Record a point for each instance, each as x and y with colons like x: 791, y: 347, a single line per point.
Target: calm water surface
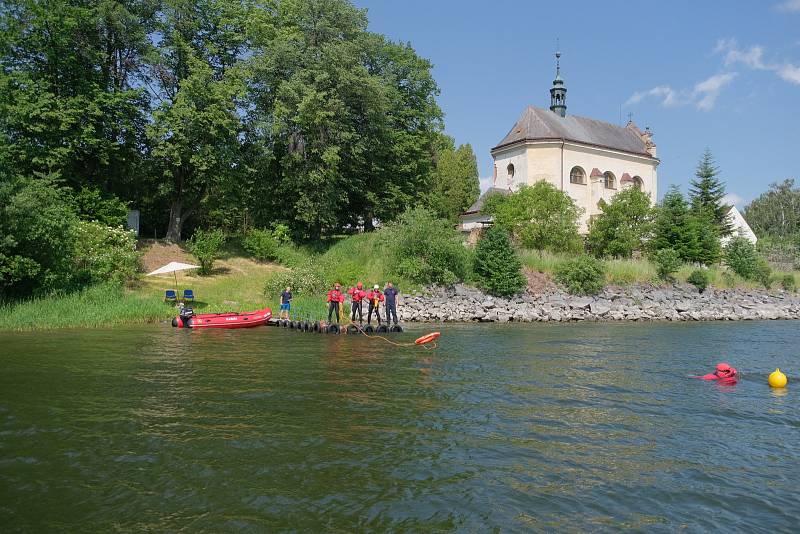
x: 582, y: 427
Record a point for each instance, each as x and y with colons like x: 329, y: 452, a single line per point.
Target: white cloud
x: 668, y: 96
x: 703, y: 95
x: 706, y: 92
x: 733, y: 199
x: 790, y: 73
x: 753, y: 57
x: 486, y: 183
x: 788, y: 5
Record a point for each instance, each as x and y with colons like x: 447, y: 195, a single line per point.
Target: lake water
x: 517, y: 428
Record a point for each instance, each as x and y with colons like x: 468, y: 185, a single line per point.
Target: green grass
x: 97, y: 306
x: 630, y: 271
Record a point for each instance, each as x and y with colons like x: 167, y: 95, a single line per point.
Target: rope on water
x: 406, y: 344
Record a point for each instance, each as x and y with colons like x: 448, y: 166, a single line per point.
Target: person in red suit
x: 335, y: 298
x: 724, y: 373
x: 357, y: 294
x: 375, y: 297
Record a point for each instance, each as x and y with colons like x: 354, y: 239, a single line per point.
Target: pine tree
x: 673, y: 228
x: 707, y: 192
x: 497, y: 266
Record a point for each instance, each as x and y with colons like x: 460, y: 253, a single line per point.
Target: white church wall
x: 514, y: 156
x: 543, y: 161
x: 588, y: 195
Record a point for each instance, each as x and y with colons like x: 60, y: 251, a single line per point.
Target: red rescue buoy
x: 427, y: 338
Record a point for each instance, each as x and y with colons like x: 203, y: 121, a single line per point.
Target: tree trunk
x: 176, y: 219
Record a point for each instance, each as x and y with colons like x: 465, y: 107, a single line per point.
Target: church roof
x: 478, y: 205
x: 537, y: 124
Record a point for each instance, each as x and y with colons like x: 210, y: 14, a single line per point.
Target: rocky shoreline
x: 630, y: 303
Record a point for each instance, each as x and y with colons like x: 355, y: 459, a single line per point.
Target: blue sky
x: 717, y: 74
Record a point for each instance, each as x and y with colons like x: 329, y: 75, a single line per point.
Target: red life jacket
x: 375, y: 294
x: 334, y: 295
x: 356, y: 294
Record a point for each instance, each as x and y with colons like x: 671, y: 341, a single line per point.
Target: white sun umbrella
x: 173, y: 267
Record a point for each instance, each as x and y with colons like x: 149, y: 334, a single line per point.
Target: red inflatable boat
x: 187, y: 319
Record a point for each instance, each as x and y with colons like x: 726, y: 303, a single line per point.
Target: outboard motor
x: 183, y: 320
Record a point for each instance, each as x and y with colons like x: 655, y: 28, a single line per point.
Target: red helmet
x: 360, y: 285
x: 723, y: 367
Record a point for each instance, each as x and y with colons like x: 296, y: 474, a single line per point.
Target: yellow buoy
x: 777, y: 379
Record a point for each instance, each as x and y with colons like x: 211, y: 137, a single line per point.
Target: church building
x: 587, y: 158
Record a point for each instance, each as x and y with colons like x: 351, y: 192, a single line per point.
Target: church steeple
x: 558, y: 93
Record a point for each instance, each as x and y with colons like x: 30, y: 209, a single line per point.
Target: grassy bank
x: 621, y: 272
x: 237, y: 284
x: 97, y: 306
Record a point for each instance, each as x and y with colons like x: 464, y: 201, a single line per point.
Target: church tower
x: 558, y: 93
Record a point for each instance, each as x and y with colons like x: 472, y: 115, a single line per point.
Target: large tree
x: 197, y: 77
x: 693, y: 234
x: 707, y: 192
x: 455, y: 181
x: 776, y: 212
x: 623, y: 226
x: 70, y: 104
x: 540, y: 216
x: 343, y: 121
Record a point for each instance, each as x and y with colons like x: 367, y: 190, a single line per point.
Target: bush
x: 90, y: 205
x: 261, y: 244
x: 104, y: 254
x: 788, y: 283
x: 292, y: 256
x: 742, y: 258
x: 667, y: 263
x: 497, y: 267
x: 623, y: 225
x: 303, y: 281
x: 541, y: 216
x: 699, y: 279
x: 763, y: 273
x: 583, y: 275
x: 425, y: 249
x: 36, y: 237
x: 206, y: 246
x: 282, y: 234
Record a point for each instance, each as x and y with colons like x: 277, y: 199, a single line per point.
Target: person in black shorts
x: 286, y: 303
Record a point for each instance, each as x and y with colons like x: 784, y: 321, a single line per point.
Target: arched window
x: 637, y: 182
x: 510, y: 170
x: 609, y: 180
x: 577, y: 176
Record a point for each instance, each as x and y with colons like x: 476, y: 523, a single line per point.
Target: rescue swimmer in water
x: 724, y: 373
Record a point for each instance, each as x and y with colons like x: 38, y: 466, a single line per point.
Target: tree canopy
x: 623, y: 226
x: 693, y: 235
x: 217, y: 112
x: 776, y: 213
x: 707, y: 192
x: 540, y: 216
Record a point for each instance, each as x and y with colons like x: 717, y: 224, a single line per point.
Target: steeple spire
x: 558, y: 93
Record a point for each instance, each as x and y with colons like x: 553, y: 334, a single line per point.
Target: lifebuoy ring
x: 396, y: 328
x: 317, y: 327
x: 369, y: 329
x: 382, y: 329
x: 427, y: 338
x: 305, y: 327
x: 352, y: 329
x: 292, y: 325
x: 333, y: 329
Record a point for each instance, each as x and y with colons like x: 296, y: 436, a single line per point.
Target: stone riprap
x: 630, y: 303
